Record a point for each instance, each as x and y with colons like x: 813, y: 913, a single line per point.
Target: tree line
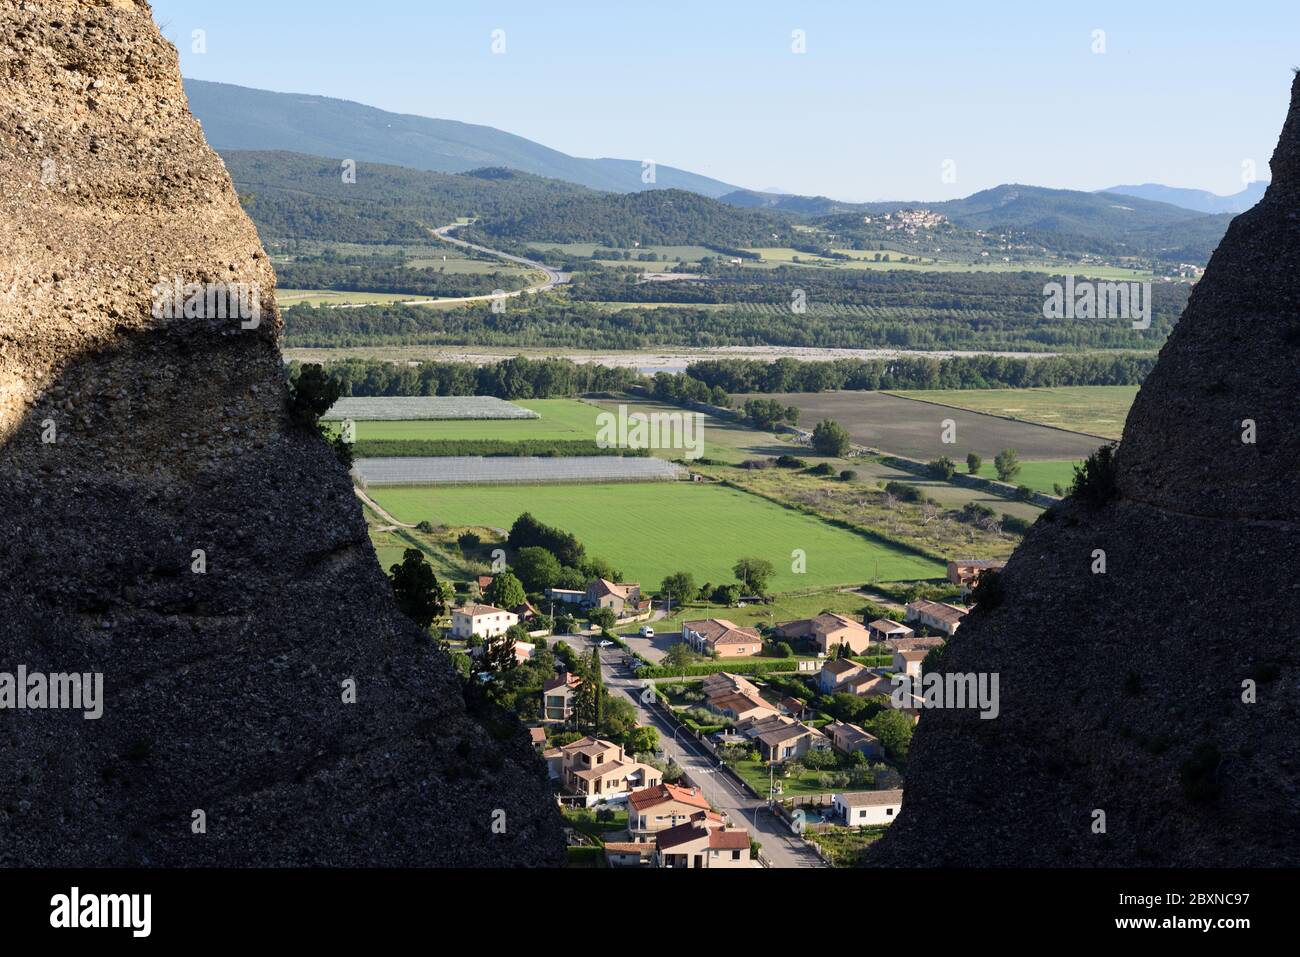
x: 741, y: 376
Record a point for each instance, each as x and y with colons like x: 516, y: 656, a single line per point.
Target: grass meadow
x: 652, y: 530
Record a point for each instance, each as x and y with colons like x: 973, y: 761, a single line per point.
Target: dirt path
x: 374, y: 507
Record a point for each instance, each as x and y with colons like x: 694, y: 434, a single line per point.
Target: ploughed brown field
x: 915, y: 429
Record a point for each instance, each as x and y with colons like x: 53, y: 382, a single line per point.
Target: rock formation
x: 1161, y: 693
x: 133, y: 437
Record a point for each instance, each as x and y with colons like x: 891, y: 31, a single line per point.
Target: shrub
x: 824, y: 469
x: 831, y: 438
x: 974, y: 463
x: 1016, y: 526
x: 1007, y: 464
x: 790, y: 462
x: 848, y: 475
x: 908, y: 493
x: 1024, y: 493
x: 943, y: 468
x: 1096, y: 481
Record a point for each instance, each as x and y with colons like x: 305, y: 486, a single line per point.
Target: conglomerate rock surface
x: 1163, y: 692
x: 129, y: 442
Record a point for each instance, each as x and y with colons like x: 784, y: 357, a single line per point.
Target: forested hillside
x: 290, y: 195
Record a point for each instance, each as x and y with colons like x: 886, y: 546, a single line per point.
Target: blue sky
x: 887, y: 92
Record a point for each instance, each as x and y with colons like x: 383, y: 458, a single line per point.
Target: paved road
x: 553, y: 277
x: 780, y: 847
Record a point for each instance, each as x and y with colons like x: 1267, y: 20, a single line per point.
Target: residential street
x: 780, y: 847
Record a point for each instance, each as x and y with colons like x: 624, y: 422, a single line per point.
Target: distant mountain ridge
x: 241, y: 118
x: 1199, y: 200
x: 1090, y: 221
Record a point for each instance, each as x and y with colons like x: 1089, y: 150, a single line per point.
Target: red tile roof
x: 652, y: 797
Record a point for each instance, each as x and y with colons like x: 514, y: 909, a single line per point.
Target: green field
x: 1042, y: 476
x: 1097, y: 410
x: 654, y: 529
x: 864, y: 259
x: 571, y: 419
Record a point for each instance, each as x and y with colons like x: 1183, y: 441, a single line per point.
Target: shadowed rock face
x: 1123, y: 692
x: 223, y: 692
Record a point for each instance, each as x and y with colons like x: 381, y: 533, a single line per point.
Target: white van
x: 647, y: 631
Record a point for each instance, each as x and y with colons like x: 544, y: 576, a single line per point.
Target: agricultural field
x: 1040, y: 476
x: 655, y: 529
x: 562, y: 419
x: 1096, y: 410
x: 667, y: 254
x: 915, y: 429
x: 576, y: 420
x: 417, y: 256
x: 512, y: 470
x: 330, y: 297
x: 865, y: 259
x: 427, y: 408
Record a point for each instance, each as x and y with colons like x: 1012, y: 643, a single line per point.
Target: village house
x: 623, y: 600
x: 917, y: 644
x: 779, y: 738
x: 884, y: 630
x: 538, y: 737
x: 740, y: 705
x: 967, y: 572
x: 827, y: 631
x: 629, y: 853
x: 849, y: 738
x: 566, y: 596
x: 724, y: 682
x: 909, y: 662
x: 704, y: 841
x: 937, y: 615
x: 599, y: 770
x: 720, y: 638
x: 869, y: 684
x: 837, y: 672
x: 793, y: 707
x: 558, y: 696
x: 868, y: 808
x: 663, y: 806
x: 481, y: 621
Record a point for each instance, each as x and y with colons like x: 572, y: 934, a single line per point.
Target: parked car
x: 607, y: 643
x: 647, y: 632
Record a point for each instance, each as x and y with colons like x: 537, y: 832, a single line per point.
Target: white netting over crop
x: 514, y: 471
x: 425, y: 407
